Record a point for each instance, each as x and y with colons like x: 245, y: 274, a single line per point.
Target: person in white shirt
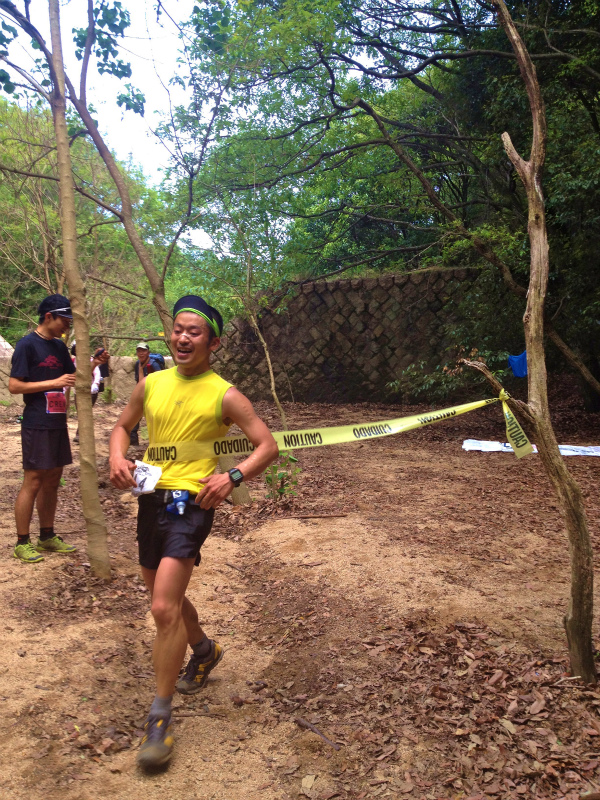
x: 99, y: 357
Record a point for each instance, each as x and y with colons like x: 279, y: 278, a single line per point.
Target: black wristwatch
x: 236, y: 476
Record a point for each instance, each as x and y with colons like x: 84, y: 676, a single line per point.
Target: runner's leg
x: 194, y: 632
x: 47, y: 497
x: 25, y: 502
x: 167, y: 585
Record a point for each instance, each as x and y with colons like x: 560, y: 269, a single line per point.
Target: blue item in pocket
x: 180, y: 498
x: 518, y: 364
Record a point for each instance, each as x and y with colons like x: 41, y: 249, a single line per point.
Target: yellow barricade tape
x: 162, y: 452
x: 514, y: 432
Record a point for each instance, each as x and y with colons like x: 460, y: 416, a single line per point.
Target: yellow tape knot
x: 504, y: 395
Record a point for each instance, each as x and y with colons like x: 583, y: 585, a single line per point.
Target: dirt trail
x: 384, y: 628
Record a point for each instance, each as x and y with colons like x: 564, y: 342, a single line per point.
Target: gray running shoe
x: 197, y: 671
x: 157, y: 743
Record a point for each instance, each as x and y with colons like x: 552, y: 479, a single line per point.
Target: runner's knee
x: 166, y: 613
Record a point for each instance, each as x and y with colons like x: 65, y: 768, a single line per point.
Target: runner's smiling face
x: 191, y: 343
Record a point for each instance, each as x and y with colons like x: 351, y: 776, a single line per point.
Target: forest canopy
x: 327, y: 121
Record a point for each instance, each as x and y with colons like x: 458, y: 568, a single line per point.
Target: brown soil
x: 419, y: 631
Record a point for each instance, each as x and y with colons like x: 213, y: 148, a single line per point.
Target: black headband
x: 197, y: 305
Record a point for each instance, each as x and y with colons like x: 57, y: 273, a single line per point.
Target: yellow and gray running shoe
x: 197, y: 671
x: 28, y: 553
x: 157, y: 742
x: 54, y: 545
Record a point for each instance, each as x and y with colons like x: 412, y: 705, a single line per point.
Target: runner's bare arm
x: 17, y: 386
x: 237, y: 408
x: 120, y: 467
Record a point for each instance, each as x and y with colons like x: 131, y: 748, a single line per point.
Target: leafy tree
x: 354, y: 116
x: 30, y: 239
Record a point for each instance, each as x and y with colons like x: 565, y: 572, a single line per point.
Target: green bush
x: 281, y: 477
x: 452, y: 381
x: 108, y: 396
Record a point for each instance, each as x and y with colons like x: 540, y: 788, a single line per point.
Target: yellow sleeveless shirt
x: 181, y: 409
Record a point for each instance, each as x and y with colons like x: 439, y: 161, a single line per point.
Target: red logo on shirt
x: 52, y: 362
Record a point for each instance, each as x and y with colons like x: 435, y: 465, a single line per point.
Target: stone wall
x: 5, y: 395
x: 344, y: 340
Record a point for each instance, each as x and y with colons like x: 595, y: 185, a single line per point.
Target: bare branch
x: 517, y: 406
x: 101, y: 203
x: 116, y: 286
x: 97, y: 225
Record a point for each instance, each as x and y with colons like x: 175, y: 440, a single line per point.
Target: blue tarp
x: 518, y: 364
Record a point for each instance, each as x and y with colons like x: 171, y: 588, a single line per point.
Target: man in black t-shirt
x: 42, y: 371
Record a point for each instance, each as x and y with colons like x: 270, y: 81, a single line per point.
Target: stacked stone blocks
x: 344, y: 340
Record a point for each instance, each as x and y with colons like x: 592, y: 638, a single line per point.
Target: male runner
x: 42, y: 371
x: 187, y: 403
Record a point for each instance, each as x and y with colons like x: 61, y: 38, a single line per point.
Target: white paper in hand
x: 146, y: 477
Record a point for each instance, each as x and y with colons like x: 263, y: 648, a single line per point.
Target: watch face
x: 236, y: 476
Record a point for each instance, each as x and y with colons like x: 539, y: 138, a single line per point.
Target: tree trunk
x: 579, y: 616
x: 241, y: 495
x: 97, y: 545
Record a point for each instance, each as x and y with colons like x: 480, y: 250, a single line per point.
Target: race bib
x: 56, y: 403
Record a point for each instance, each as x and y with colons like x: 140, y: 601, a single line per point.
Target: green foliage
x: 281, y: 478
x: 321, y: 192
x: 30, y: 238
x: 7, y: 35
x: 6, y: 83
x: 211, y: 23
x: 132, y: 100
x: 109, y: 396
x: 418, y: 383
x: 111, y: 22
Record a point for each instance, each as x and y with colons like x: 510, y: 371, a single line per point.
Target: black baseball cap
x: 56, y: 304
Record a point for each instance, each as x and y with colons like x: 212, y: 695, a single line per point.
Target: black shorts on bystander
x: 45, y: 449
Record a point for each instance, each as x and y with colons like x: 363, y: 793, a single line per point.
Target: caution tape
x: 340, y: 434
x: 514, y: 432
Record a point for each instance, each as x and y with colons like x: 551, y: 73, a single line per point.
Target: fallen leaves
x: 493, y: 721
x: 508, y: 725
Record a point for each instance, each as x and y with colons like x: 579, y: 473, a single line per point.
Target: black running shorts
x: 45, y: 449
x: 161, y: 534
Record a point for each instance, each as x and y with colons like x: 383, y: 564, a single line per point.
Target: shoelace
x: 154, y: 730
x: 193, y: 665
